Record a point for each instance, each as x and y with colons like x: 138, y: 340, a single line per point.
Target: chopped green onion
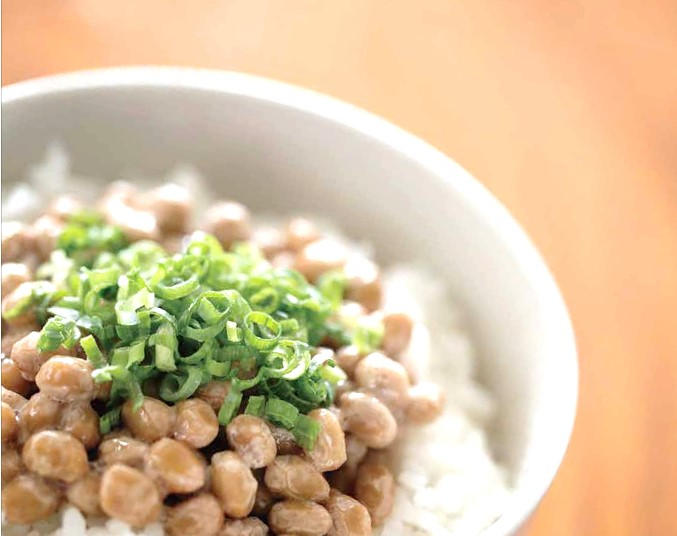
x: 232, y: 331
x: 208, y: 310
x: 92, y: 352
x: 142, y: 255
x: 165, y: 344
x: 332, y: 285
x: 203, y: 351
x: 86, y: 235
x: 177, y: 290
x: 236, y: 352
x: 289, y: 326
x: 230, y: 407
x: 136, y: 353
x: 145, y: 372
x: 123, y: 380
x: 127, y: 356
x: 239, y: 308
x: 288, y: 360
x: 266, y: 300
x: 58, y: 331
x: 306, y: 431
x: 312, y: 389
x: 332, y: 373
x: 109, y: 420
x: 125, y: 310
x: 204, y: 334
x: 327, y: 368
x: 102, y: 278
x: 302, y: 354
x: 261, y: 331
x: 201, y: 243
x: 281, y: 412
x: 368, y: 334
x: 256, y: 406
x: 181, y: 384
x: 217, y: 365
x: 244, y: 384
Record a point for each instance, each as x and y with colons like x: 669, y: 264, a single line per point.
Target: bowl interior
x: 284, y: 149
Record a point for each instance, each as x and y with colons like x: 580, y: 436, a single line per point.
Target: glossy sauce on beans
x: 124, y: 450
x: 154, y: 419
x: 347, y: 358
x: 426, y: 403
x: 82, y: 422
x: 349, y: 517
x: 284, y: 441
x: 12, y: 378
x: 11, y: 463
x: 397, y: 333
x: 198, y: 516
x: 296, y: 478
x: 263, y: 501
x: 175, y: 466
x: 329, y: 452
x: 129, y: 495
x: 319, y: 257
x: 300, y: 232
x: 39, y: 413
x: 214, y: 393
x: 29, y: 498
x: 196, y: 423
x: 56, y: 455
x: 251, y: 438
x: 66, y: 379
x: 29, y: 358
x: 384, y: 378
x: 302, y: 518
x: 10, y: 426
x: 375, y: 489
x: 250, y: 526
x: 13, y: 400
x: 368, y: 419
x: 84, y: 494
x: 364, y: 282
x: 233, y: 484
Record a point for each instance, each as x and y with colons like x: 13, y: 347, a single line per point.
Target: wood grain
x: 566, y: 110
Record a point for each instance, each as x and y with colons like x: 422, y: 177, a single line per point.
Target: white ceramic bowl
x: 278, y: 147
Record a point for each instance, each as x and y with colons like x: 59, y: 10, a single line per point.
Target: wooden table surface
x: 566, y: 110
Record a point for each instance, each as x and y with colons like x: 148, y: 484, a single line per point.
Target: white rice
x: 447, y: 480
x: 70, y: 522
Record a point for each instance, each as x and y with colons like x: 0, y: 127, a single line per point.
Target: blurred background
x: 566, y: 110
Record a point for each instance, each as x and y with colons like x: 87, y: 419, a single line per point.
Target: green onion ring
x: 259, y: 318
x: 181, y: 384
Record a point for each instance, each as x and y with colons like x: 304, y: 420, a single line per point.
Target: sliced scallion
x: 261, y: 331
x: 181, y: 384
x: 230, y: 407
x: 256, y: 405
x: 92, y: 352
x: 281, y: 412
x: 58, y: 331
x: 109, y: 420
x: 306, y: 431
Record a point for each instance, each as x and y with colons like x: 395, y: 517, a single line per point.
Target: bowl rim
x: 523, y: 500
